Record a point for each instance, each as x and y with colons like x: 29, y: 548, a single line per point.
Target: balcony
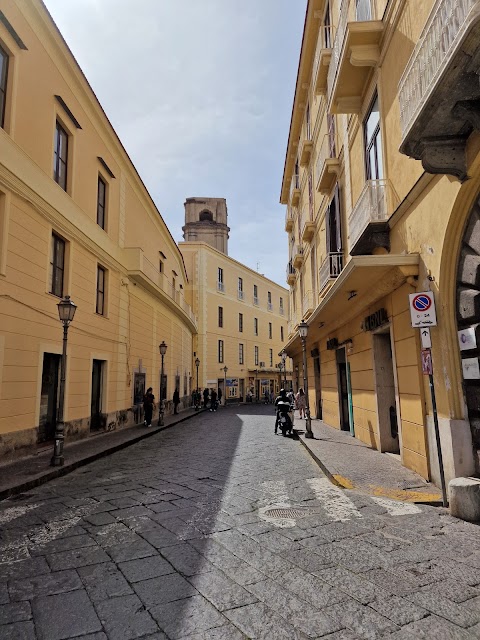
x: 439, y: 91
x: 368, y: 222
x: 143, y: 272
x: 220, y: 287
x: 281, y: 311
x: 323, y: 55
x: 330, y: 269
x: 308, y: 305
x: 289, y: 219
x: 355, y: 51
x: 328, y: 165
x: 240, y: 295
x: 291, y: 274
x: 298, y: 256
x: 306, y: 147
x: 269, y: 306
x: 295, y: 190
x: 292, y: 324
x: 256, y: 301
x: 308, y: 230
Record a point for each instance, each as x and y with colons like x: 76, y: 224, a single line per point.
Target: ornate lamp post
x: 303, y: 331
x: 225, y: 369
x: 66, y: 312
x: 163, y: 351
x: 197, y: 393
x: 284, y: 363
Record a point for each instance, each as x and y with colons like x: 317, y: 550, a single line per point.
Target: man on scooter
x: 283, y: 408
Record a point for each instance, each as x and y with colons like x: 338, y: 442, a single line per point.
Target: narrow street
x: 219, y: 530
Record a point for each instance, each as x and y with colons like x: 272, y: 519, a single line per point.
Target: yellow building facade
x: 381, y: 184
x: 76, y: 219
x: 242, y: 316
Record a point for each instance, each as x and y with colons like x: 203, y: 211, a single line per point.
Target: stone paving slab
x: 210, y: 564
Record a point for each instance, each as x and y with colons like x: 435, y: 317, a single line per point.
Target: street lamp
x: 225, y: 369
x: 284, y: 363
x: 303, y: 331
x: 66, y: 312
x: 163, y: 351
x: 197, y: 364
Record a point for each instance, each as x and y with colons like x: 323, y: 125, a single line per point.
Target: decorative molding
x: 106, y: 167
x: 364, y: 55
x: 12, y: 32
x: 444, y: 156
x: 62, y: 102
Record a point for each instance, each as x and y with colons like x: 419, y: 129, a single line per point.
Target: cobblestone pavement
x: 186, y: 535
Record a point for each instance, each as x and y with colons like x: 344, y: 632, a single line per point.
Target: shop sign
x: 232, y: 382
x: 332, y: 344
x: 376, y: 320
x: 467, y: 339
x: 471, y: 369
x: 427, y: 365
x: 422, y: 309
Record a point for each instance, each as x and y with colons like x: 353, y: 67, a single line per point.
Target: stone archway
x: 468, y: 320
x: 206, y: 216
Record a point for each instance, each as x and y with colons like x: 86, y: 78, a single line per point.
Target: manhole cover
x: 290, y: 512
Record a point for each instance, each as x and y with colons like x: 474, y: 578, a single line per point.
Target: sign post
x: 423, y: 315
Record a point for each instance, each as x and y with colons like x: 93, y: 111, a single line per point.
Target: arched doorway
x: 468, y: 319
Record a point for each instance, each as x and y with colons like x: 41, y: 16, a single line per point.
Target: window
x: 269, y: 297
x: 57, y: 266
x: 255, y: 326
x: 256, y: 356
x: 271, y: 357
x: 240, y: 354
x: 240, y: 284
x: 220, y: 316
x: 60, y: 156
x: 240, y: 322
x: 160, y: 266
x: 220, y: 274
x: 281, y: 334
x: 100, y: 304
x: 328, y: 30
x: 101, y: 202
x: 364, y: 10
x: 307, y: 123
x: 255, y: 294
x: 206, y: 216
x: 373, y: 143
x: 220, y: 351
x: 281, y: 305
x: 270, y: 330
x: 3, y: 85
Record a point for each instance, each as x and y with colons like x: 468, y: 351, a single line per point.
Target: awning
x: 364, y: 280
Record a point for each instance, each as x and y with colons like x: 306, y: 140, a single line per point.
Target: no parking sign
x: 422, y: 309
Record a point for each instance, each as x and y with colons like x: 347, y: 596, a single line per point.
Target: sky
x: 200, y: 93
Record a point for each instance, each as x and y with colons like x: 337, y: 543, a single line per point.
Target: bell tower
x: 206, y: 221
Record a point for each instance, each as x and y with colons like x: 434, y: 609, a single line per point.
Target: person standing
x: 176, y: 401
x: 213, y: 401
x: 219, y: 396
x: 206, y: 393
x: 148, y: 404
x: 301, y: 402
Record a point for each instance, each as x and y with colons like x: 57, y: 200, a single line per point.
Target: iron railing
x: 331, y: 268
x: 371, y: 206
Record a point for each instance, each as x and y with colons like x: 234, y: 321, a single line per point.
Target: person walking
x: 148, y: 404
x: 206, y: 393
x: 219, y: 396
x: 213, y: 401
x: 176, y: 401
x: 301, y: 403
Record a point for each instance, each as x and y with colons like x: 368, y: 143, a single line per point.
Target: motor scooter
x: 285, y: 417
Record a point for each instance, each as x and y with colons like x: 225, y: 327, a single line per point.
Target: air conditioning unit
x: 262, y: 364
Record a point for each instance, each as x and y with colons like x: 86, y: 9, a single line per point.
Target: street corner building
x: 242, y: 316
x: 382, y: 187
x: 76, y: 219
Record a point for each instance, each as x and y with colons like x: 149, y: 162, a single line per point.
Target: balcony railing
x: 327, y: 164
x: 298, y: 256
x: 289, y: 218
x: 295, y: 190
x: 322, y: 57
x: 371, y: 207
x: 220, y: 286
x: 443, y: 33
x: 281, y: 311
x: 240, y: 295
x: 306, y: 146
x: 308, y: 304
x: 291, y: 274
x: 144, y: 272
x: 256, y: 301
x: 331, y: 268
x: 269, y: 306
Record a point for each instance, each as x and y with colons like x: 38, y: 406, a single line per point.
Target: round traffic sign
x: 421, y: 302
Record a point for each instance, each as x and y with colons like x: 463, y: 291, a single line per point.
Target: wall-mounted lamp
x: 351, y: 294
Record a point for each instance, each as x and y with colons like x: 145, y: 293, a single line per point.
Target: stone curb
x: 58, y: 472
x: 322, y: 466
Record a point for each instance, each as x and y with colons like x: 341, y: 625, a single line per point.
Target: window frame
x: 271, y: 357
x: 240, y: 285
x: 281, y: 333
x: 373, y: 143
x: 220, y: 351
x: 220, y: 317
x: 101, y: 180
x: 256, y: 355
x: 270, y: 331
x: 240, y: 322
x: 255, y: 326
x: 54, y: 267
x: 4, y: 86
x: 61, y: 129
x: 241, y: 353
x: 220, y: 275
x: 99, y: 292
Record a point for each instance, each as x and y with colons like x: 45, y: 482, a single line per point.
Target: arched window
x: 206, y: 216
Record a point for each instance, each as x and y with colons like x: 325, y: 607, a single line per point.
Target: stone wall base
x: 457, y: 449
